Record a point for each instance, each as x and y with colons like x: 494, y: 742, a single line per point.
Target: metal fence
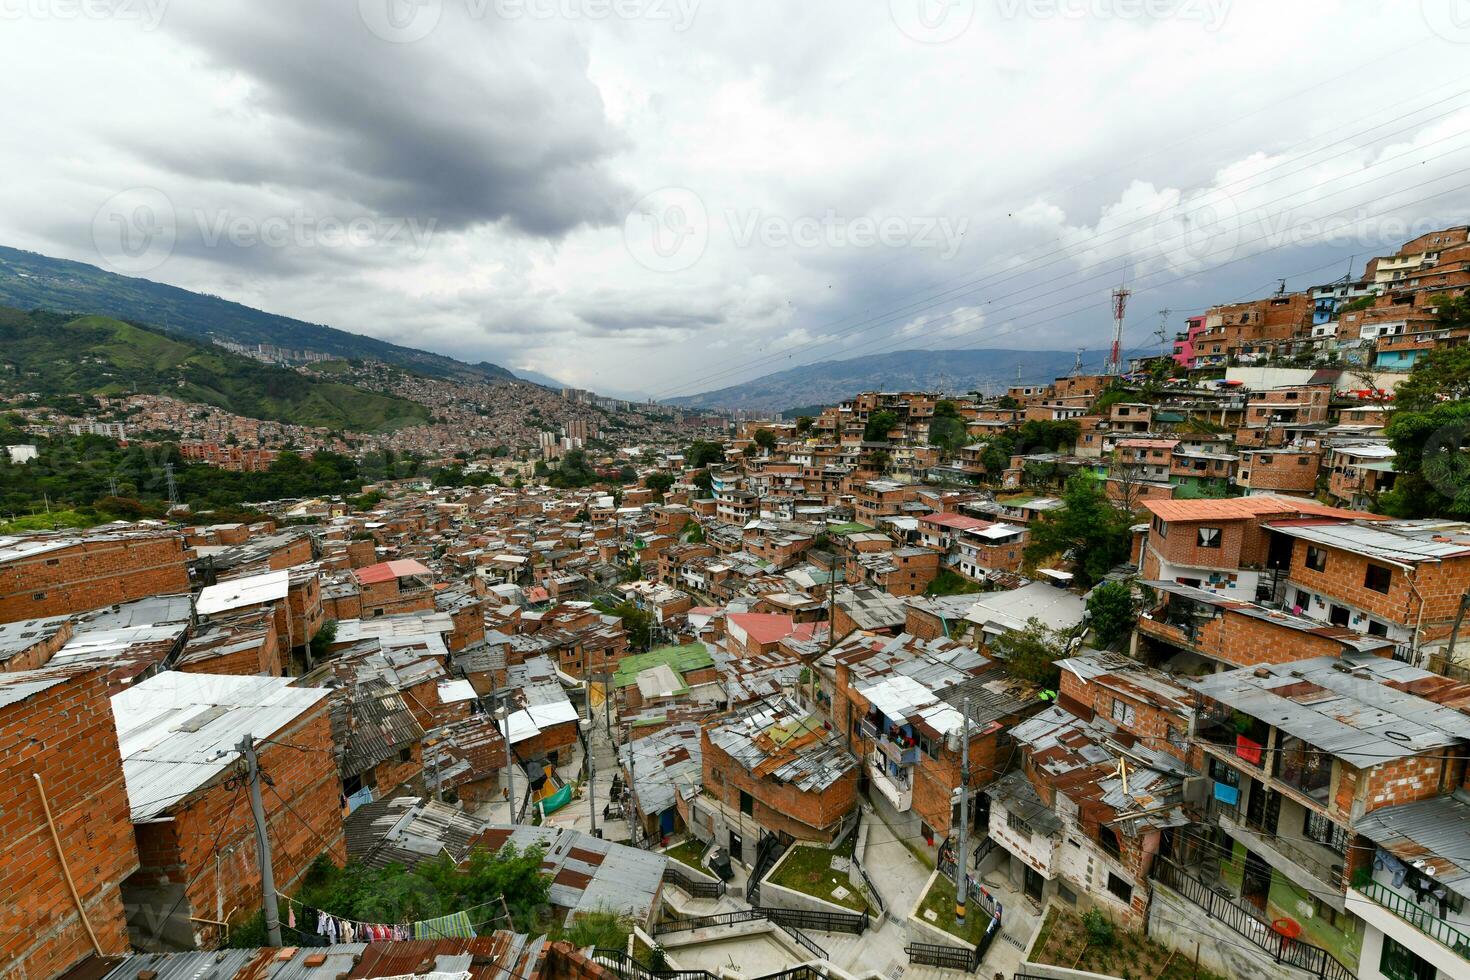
x: 949, y: 957
x: 1249, y: 924
x: 629, y: 968
x: 853, y: 922
x: 768, y: 851
x: 874, y: 896
x: 694, y: 887
x: 790, y: 922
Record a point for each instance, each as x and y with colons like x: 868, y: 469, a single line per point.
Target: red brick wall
x: 67, y: 735
x: 779, y: 807
x: 1245, y: 641
x: 298, y: 552
x: 1281, y: 471
x: 1238, y: 547
x: 1439, y: 586
x: 91, y: 574
x: 1406, y: 780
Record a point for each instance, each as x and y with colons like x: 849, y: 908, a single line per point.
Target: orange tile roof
x: 1244, y: 508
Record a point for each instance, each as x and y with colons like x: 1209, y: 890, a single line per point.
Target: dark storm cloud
x: 491, y: 123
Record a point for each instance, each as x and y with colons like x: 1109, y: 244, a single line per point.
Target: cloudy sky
x: 669, y: 196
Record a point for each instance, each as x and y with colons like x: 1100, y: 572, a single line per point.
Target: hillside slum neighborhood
x: 801, y: 699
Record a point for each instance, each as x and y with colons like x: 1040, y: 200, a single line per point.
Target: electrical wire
x: 912, y: 308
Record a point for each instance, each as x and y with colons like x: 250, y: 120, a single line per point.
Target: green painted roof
x: 851, y: 528
x: 682, y: 659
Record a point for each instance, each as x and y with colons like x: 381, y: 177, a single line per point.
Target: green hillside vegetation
x: 30, y: 281
x: 52, y: 354
x: 73, y: 478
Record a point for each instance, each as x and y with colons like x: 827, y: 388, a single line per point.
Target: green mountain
x: 31, y: 281
x: 52, y: 353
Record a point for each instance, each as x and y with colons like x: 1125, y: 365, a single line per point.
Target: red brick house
x: 57, y: 723
x: 178, y: 734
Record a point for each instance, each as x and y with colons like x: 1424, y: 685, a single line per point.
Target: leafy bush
x: 1099, y: 928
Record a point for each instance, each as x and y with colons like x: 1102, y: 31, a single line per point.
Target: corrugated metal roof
x: 241, y: 592
x: 1406, y: 542
x: 177, y: 730
x: 1351, y: 706
x: 1435, y: 832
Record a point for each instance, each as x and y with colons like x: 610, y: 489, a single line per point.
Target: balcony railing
x: 898, y: 790
x: 1420, y: 918
x: 899, y: 754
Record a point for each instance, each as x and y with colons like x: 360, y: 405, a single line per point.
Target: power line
x: 1091, y: 243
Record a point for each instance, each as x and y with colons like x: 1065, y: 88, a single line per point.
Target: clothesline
x: 340, y: 928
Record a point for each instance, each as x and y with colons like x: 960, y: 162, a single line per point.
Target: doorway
x: 1035, y: 884
x: 1255, y: 884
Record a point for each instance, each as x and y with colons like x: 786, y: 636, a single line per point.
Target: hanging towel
x: 1229, y: 795
x: 453, y: 926
x: 1248, y: 750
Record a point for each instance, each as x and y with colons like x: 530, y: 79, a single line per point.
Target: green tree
x: 1432, y: 456
x: 704, y: 481
x: 765, y: 438
x: 323, y: 640
x: 659, y: 483
x: 947, y: 430
x: 804, y: 424
x: 1087, y: 529
x: 1429, y: 430
x: 1440, y: 375
x: 702, y: 453
x: 637, y: 623
x: 879, y: 425
x: 1031, y: 653
x: 1113, y: 613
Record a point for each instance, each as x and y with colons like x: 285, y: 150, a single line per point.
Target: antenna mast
x: 1120, y: 306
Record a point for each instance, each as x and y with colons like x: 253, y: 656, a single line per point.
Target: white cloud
x: 1058, y: 149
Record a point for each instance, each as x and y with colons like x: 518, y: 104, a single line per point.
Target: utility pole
x: 510, y: 760
x: 173, y: 488
x: 1163, y: 332
x: 633, y: 818
x: 591, y: 758
x: 961, y: 869
x: 262, y: 842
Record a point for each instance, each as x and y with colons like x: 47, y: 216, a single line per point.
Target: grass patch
x: 50, y: 522
x: 939, y: 899
x: 687, y: 852
x: 809, y: 870
x: 1064, y: 941
x: 949, y: 582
